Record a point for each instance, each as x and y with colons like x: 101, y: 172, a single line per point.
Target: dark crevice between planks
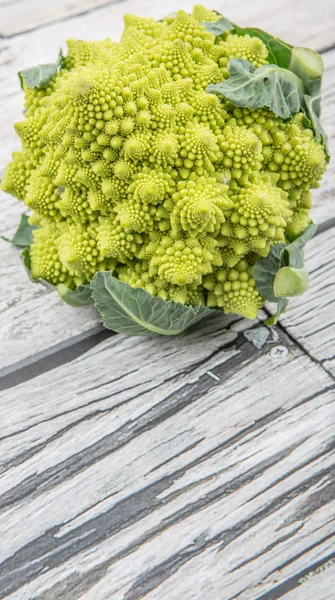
x: 297, y: 579
x: 326, y: 49
x: 61, y: 354
x: 175, y: 402
x: 322, y: 228
x: 303, y: 349
x: 150, y: 500
x: 325, y: 226
x: 65, y: 18
x: 52, y: 549
x: 53, y: 357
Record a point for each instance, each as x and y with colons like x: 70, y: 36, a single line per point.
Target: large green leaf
x: 269, y: 86
x: 281, y: 274
x: 24, y: 234
x: 305, y: 63
x: 136, y: 312
x: 308, y: 66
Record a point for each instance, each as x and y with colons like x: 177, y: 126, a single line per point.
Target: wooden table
x: 196, y: 468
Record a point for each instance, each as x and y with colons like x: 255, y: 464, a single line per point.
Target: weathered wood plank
x: 311, y: 318
x: 145, y: 477
x: 19, y: 16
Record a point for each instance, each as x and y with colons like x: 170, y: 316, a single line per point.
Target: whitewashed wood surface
x: 199, y: 467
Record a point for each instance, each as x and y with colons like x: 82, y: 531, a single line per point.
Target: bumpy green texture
x: 129, y: 165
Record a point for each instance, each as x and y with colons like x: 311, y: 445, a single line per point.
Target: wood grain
x: 311, y: 319
x: 153, y: 479
x: 20, y: 16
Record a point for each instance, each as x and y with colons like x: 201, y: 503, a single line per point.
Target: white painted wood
x: 311, y: 318
x: 141, y: 476
x: 20, y: 16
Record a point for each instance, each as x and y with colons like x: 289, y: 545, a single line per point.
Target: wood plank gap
x: 60, y: 354
x: 297, y: 579
x: 292, y: 339
x: 327, y: 49
x: 325, y: 225
x: 53, y: 357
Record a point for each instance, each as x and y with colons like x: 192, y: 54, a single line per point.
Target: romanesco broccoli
x: 129, y: 165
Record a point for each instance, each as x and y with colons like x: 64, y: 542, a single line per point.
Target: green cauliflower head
x: 129, y: 165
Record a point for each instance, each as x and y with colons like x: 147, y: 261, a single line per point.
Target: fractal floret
x: 136, y: 162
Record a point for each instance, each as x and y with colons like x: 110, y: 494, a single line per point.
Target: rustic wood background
x: 196, y: 468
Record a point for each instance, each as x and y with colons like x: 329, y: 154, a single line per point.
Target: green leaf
x: 281, y: 274
x: 81, y: 296
x: 24, y: 234
x: 290, y: 282
x: 311, y: 111
x: 40, y: 76
x: 61, y: 60
x: 219, y: 27
x: 279, y: 51
x: 265, y: 271
x: 308, y: 66
x: 293, y: 254
x: 305, y: 63
x: 273, y: 87
x: 136, y: 312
